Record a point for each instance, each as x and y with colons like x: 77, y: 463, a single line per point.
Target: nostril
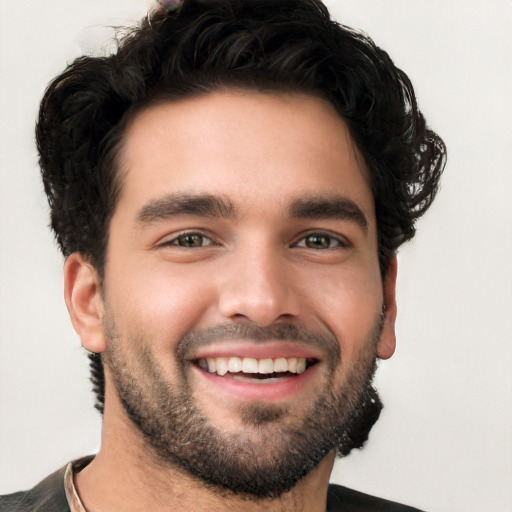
x: 260, y: 296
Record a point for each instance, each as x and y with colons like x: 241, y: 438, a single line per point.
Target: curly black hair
x: 286, y: 45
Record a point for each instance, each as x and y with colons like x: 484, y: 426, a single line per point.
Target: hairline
x: 223, y: 84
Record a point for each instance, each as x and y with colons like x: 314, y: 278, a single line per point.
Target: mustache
x: 193, y: 340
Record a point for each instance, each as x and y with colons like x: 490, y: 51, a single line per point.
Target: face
x: 242, y: 294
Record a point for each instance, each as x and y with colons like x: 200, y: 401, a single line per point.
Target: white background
x: 444, y: 440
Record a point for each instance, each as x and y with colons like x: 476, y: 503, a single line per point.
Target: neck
x: 124, y: 477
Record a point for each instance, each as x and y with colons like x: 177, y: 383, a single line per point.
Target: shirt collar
x: 75, y: 505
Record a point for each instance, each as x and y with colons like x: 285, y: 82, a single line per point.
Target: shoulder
x: 47, y: 496
x: 341, y: 498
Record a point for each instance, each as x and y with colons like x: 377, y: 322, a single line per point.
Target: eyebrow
x: 332, y: 207
x: 206, y: 205
x: 203, y: 205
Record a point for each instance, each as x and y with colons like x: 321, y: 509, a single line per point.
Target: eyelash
x: 338, y: 241
x: 334, y: 242
x: 175, y: 241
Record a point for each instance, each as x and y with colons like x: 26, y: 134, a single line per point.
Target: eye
x: 320, y: 241
x: 190, y: 240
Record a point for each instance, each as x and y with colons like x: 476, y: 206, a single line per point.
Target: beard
x: 276, y: 446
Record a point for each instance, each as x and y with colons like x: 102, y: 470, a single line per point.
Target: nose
x: 259, y: 286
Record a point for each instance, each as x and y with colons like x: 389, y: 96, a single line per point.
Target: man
x: 229, y: 190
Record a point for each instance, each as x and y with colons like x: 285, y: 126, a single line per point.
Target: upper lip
x: 256, y: 350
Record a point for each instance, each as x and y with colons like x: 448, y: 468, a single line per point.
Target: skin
x: 259, y: 152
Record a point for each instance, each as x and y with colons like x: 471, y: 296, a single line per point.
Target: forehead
x: 259, y: 149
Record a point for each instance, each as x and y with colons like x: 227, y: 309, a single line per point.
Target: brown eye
x: 192, y: 240
x: 322, y: 241
x: 318, y: 242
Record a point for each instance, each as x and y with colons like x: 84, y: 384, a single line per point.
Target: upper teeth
x: 223, y: 365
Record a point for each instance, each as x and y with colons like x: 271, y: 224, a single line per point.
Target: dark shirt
x: 50, y: 496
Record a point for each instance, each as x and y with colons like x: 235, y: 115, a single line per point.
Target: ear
x: 82, y: 292
x: 387, y: 342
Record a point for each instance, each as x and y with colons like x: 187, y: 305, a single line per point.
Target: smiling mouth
x: 248, y: 369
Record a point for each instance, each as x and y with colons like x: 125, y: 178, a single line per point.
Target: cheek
x: 161, y: 303
x: 349, y: 304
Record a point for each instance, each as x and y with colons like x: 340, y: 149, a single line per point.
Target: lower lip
x: 260, y: 390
